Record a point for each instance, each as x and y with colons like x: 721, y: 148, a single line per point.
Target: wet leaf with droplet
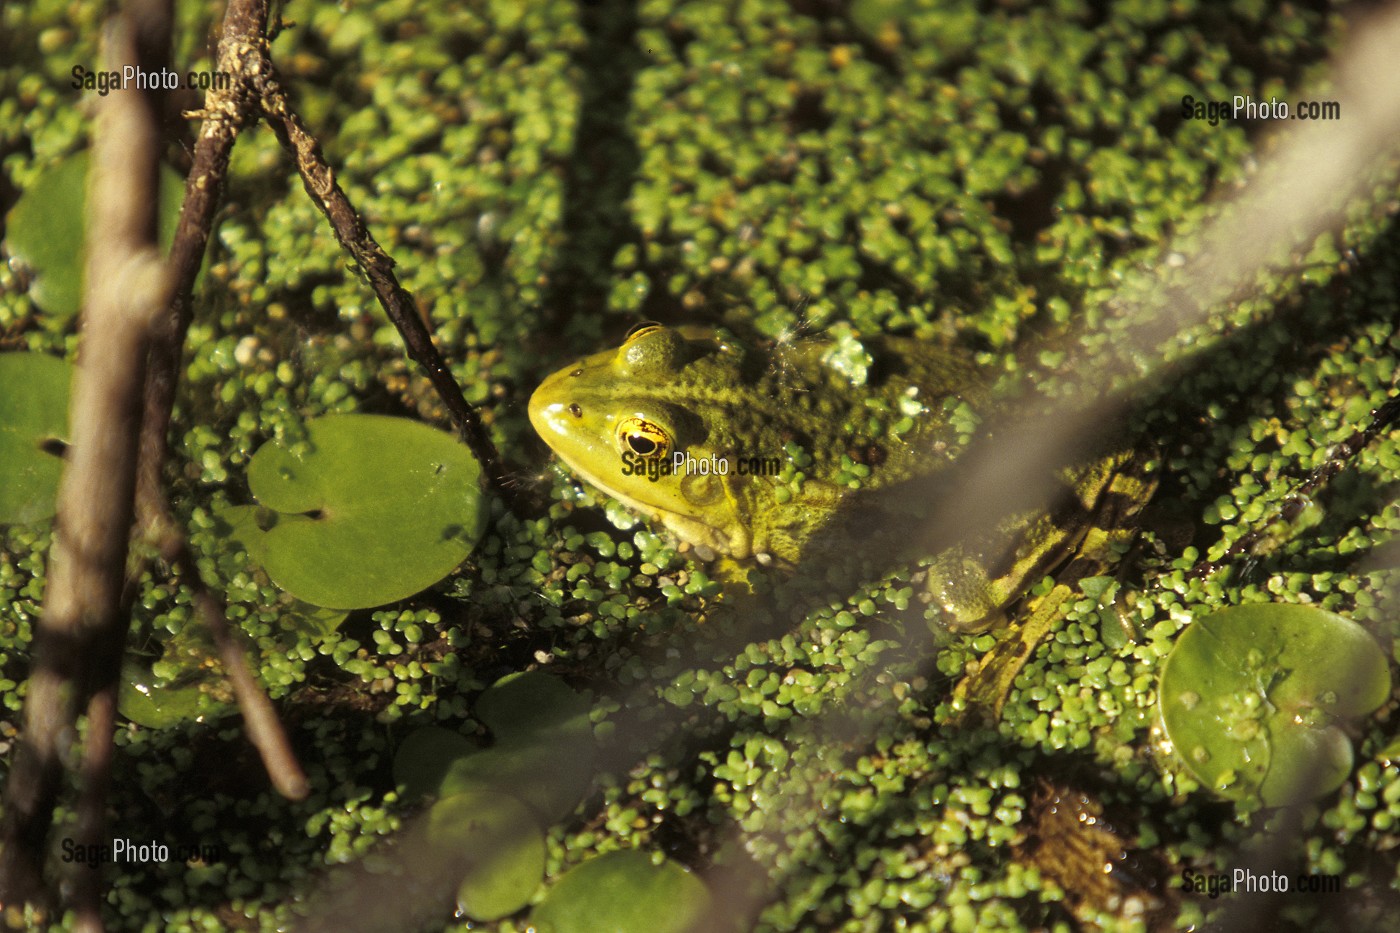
x: 1252, y: 698
x: 373, y: 510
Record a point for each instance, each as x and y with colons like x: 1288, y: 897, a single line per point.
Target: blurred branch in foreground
x: 79, y: 641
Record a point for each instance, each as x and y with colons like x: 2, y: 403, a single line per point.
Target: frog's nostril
x: 576, y: 373
x: 575, y: 410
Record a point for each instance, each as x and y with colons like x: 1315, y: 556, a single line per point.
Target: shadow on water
x: 594, y: 219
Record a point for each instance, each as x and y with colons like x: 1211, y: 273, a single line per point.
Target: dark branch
x: 319, y: 181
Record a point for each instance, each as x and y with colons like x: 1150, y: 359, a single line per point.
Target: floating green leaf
x: 624, y: 892
x: 241, y: 537
x: 373, y: 510
x: 528, y: 704
x: 33, y: 416
x: 543, y: 751
x: 146, y: 703
x: 495, y: 843
x: 242, y: 541
x: 45, y: 230
x: 1251, y: 698
x: 486, y: 826
x: 424, y: 758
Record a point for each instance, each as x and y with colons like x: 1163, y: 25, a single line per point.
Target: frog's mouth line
x: 654, y: 512
x: 581, y: 452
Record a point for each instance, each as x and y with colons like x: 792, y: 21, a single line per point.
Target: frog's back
x: 883, y: 403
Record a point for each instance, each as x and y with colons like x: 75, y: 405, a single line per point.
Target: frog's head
x: 620, y: 418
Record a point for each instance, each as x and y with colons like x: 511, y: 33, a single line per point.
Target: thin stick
x: 1383, y: 420
x: 255, y: 91
x: 319, y: 181
x: 226, y: 112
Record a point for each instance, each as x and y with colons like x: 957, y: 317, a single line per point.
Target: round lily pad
x: 240, y: 537
x: 135, y: 702
x: 497, y: 845
x: 624, y: 892
x: 142, y: 700
x: 372, y: 510
x: 33, y: 419
x: 1252, y: 698
x: 240, y: 542
x: 550, y: 778
x: 45, y: 230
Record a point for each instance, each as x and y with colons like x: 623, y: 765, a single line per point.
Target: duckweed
x: 543, y: 177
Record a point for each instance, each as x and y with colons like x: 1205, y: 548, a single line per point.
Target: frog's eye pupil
x: 642, y: 438
x: 575, y: 410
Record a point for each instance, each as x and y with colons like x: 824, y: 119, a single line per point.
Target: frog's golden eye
x: 640, y: 330
x: 643, y: 438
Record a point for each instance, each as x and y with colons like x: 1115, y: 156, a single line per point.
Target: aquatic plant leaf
x: 543, y: 750
x: 46, y: 226
x: 550, y: 778
x: 527, y: 703
x: 144, y: 701
x: 424, y: 758
x: 33, y: 416
x: 1252, y: 697
x: 624, y: 892
x: 494, y: 841
x: 373, y: 510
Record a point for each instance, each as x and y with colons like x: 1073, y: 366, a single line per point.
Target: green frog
x: 746, y: 453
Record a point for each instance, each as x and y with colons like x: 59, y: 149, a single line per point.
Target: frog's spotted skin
x: 664, y: 392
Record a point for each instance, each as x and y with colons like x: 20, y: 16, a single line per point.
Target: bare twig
x: 226, y: 112
x: 243, y: 54
x: 255, y: 91
x: 320, y: 184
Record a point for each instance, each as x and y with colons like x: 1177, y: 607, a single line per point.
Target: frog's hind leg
x: 984, y: 690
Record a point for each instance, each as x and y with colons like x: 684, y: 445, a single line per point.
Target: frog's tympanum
x: 746, y: 453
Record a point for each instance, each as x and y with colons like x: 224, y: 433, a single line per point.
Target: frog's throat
x: 737, y: 544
